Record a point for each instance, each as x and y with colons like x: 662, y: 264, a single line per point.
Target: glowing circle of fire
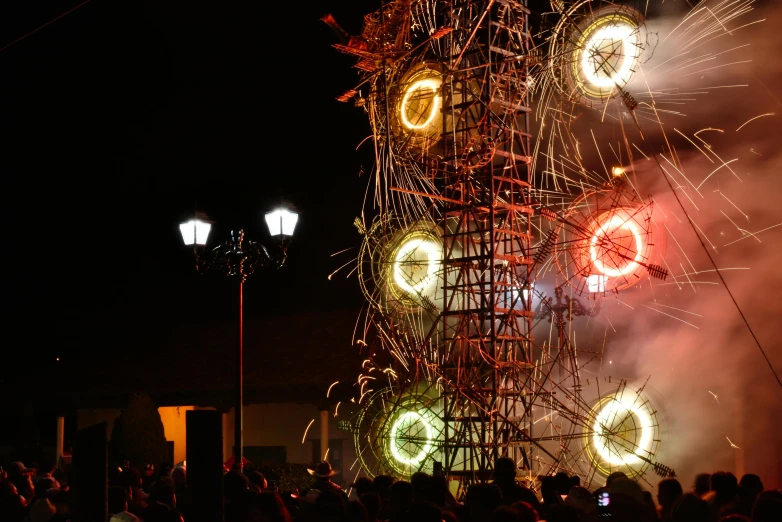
x: 597, y: 51
x: 608, y: 242
x: 606, y: 54
x: 416, y: 264
x: 421, y: 104
x: 622, y: 433
x: 401, y: 438
x: 418, y: 107
x: 613, y: 224
x: 399, y: 432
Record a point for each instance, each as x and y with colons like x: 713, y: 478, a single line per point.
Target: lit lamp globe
x: 281, y: 222
x: 195, y: 231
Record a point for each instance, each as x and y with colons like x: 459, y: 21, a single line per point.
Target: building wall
x: 173, y: 418
x: 285, y: 425
x: 264, y: 425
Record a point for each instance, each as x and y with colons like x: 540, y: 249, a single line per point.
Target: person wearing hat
x: 323, y: 482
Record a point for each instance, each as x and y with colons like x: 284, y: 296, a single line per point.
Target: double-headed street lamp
x: 239, y: 257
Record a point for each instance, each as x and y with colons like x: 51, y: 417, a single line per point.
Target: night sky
x: 121, y: 117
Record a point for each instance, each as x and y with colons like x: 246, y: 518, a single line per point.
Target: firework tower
x: 449, y: 263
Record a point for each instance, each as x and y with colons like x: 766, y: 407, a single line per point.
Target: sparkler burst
x: 517, y: 155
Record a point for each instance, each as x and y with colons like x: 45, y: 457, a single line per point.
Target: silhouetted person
x: 582, y: 499
x: 723, y: 496
x: 361, y: 486
x: 562, y: 482
x: 159, y: 512
x: 750, y: 486
x: 420, y: 482
x: 400, y: 499
x: 550, y: 495
x: 323, y: 482
x: 12, y: 505
x: 357, y: 512
x: 627, y: 502
x: 669, y: 490
x: 768, y: 506
x: 512, y: 491
x: 331, y: 505
x: 270, y: 506
x: 482, y: 500
x: 381, y: 485
x: 118, y: 500
x: 45, y: 469
x: 371, y: 501
x: 505, y: 514
x: 527, y: 513
x: 691, y: 508
x: 700, y: 485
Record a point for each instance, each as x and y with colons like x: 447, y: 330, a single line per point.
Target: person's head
x: 118, y: 499
x: 179, y: 476
x: 437, y: 490
x: 614, y: 476
x: 691, y: 508
x: 420, y: 481
x: 362, y: 485
x: 751, y: 484
x: 582, y: 499
x: 372, y: 502
x: 234, y: 484
x: 44, y: 485
x: 562, y: 483
x: 18, y: 468
x: 504, y: 469
x: 400, y: 497
x: 628, y: 489
x: 700, y: 485
x: 768, y: 506
x: 381, y: 485
x: 257, y: 478
x: 575, y: 481
x: 548, y: 490
x: 724, y: 485
x: 526, y: 511
x: 669, y: 490
x: 149, y: 470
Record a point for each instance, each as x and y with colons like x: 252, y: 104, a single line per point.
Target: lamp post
x: 239, y: 257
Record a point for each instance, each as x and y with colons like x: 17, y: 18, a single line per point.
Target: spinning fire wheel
x: 399, y: 432
x: 596, y: 49
x: 608, y: 243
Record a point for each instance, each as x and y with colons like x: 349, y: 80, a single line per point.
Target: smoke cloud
x: 719, y: 404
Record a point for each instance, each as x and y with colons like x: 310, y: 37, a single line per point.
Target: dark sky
x: 119, y: 117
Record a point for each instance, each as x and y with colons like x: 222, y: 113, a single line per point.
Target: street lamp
x: 239, y: 257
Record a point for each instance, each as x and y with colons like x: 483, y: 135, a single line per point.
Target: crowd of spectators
x: 43, y: 495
